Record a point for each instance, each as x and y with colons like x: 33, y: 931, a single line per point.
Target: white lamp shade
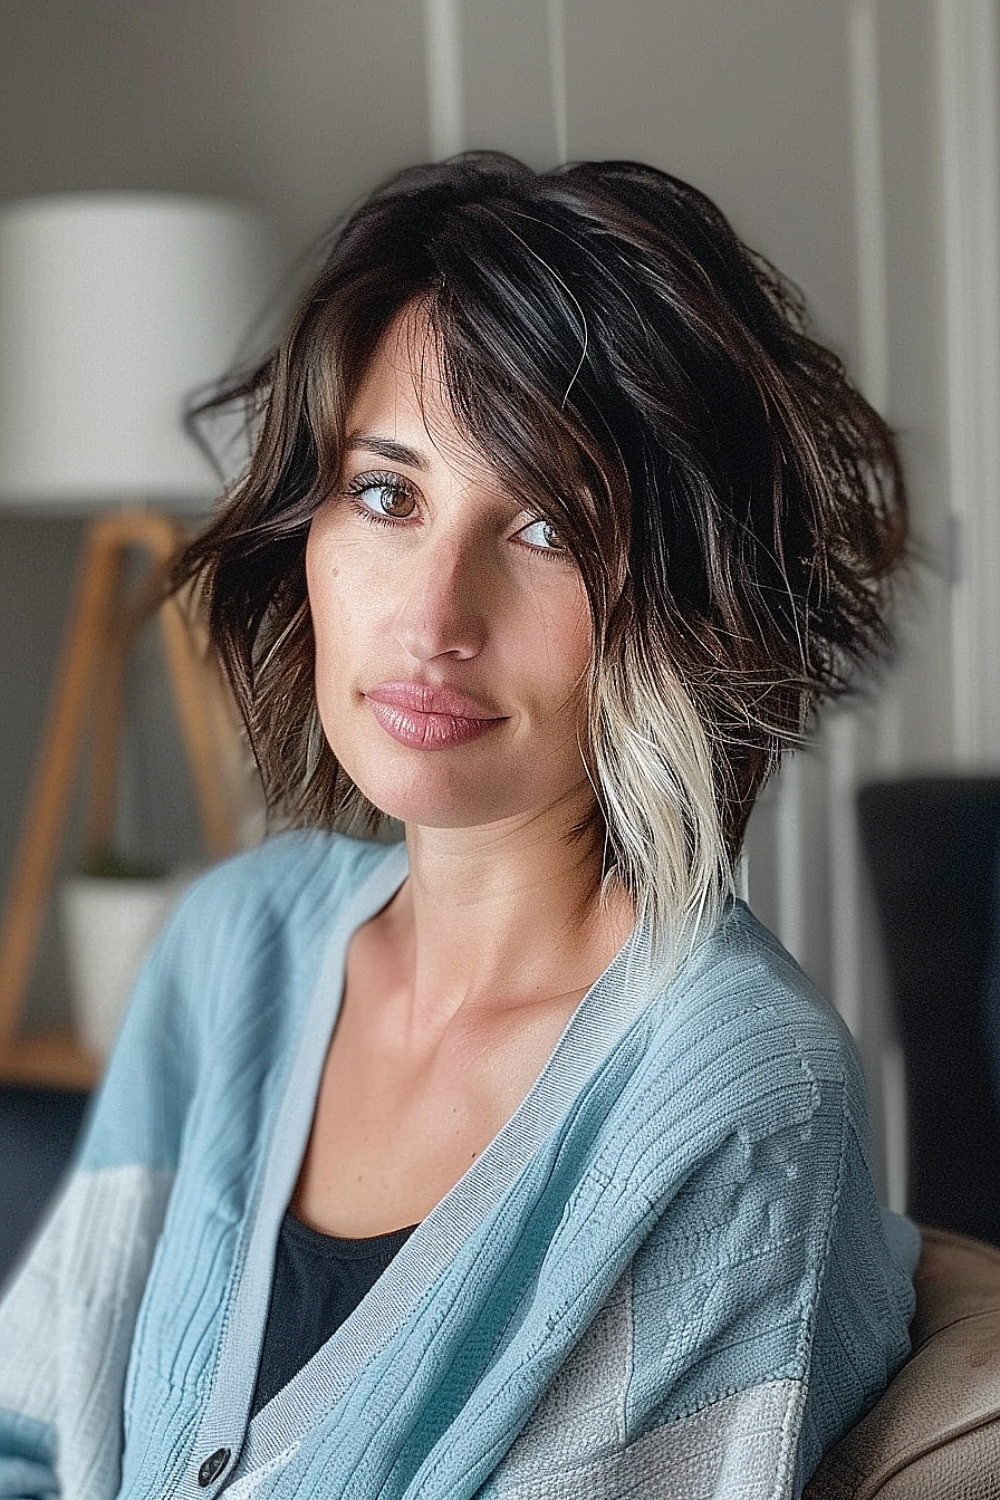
x: 114, y: 309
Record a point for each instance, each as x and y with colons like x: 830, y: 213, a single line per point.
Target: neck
x: 491, y: 920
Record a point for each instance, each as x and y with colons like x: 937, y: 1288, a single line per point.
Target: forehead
x: 403, y: 394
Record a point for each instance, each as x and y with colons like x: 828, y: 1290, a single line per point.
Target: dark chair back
x: 932, y: 847
x: 38, y: 1129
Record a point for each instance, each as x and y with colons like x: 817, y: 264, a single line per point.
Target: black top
x: 319, y: 1279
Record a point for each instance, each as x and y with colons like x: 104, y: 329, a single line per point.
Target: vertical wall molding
x: 869, y: 198
x: 860, y: 998
x: 842, y: 737
x: 873, y: 278
x: 445, y: 78
x: 789, y: 860
x: 967, y: 37
x: 555, y: 20
x: 845, y: 870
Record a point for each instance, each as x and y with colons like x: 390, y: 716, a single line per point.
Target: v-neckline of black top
x: 318, y: 1281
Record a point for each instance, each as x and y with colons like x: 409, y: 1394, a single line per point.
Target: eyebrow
x: 396, y: 453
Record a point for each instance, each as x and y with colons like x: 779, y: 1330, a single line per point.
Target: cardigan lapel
x: 438, y: 1263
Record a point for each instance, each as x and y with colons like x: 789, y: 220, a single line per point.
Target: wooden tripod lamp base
x: 88, y: 693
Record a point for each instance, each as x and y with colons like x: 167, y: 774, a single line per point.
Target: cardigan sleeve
x: 763, y: 1310
x: 202, y: 1050
x: 68, y: 1313
x: 790, y: 1295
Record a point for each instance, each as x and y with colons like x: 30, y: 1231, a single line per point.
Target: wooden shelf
x: 49, y: 1059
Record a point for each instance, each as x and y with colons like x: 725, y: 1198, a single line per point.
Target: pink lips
x: 429, y: 718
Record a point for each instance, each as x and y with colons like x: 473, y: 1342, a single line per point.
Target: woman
x: 517, y: 1158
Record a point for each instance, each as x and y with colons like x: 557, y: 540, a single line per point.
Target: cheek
x: 322, y: 578
x: 563, y: 655
x: 339, y: 566
x: 340, y: 593
x: 575, y: 636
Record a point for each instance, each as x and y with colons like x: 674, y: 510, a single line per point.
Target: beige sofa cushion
x: 935, y: 1433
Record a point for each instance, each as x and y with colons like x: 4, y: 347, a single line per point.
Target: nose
x: 451, y: 595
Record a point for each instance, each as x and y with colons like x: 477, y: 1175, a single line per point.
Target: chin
x: 423, y: 813
x: 445, y: 805
x: 422, y: 789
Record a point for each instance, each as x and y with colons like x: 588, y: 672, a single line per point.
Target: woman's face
x: 421, y: 568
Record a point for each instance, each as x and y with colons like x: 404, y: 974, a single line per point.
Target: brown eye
x: 385, y: 497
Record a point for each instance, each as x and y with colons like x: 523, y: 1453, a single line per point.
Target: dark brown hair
x: 648, y: 383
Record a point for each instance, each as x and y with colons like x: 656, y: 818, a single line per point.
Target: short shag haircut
x: 648, y: 384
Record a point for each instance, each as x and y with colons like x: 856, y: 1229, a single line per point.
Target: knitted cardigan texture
x: 668, y: 1275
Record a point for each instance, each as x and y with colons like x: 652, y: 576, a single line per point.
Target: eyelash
x: 393, y: 482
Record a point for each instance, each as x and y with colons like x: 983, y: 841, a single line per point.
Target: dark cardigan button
x: 213, y: 1466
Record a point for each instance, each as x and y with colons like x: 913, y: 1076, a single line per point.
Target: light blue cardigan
x: 667, y: 1275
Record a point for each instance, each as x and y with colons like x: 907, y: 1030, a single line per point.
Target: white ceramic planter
x: 108, y: 927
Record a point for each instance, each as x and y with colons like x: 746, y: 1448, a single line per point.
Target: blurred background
x: 854, y: 143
